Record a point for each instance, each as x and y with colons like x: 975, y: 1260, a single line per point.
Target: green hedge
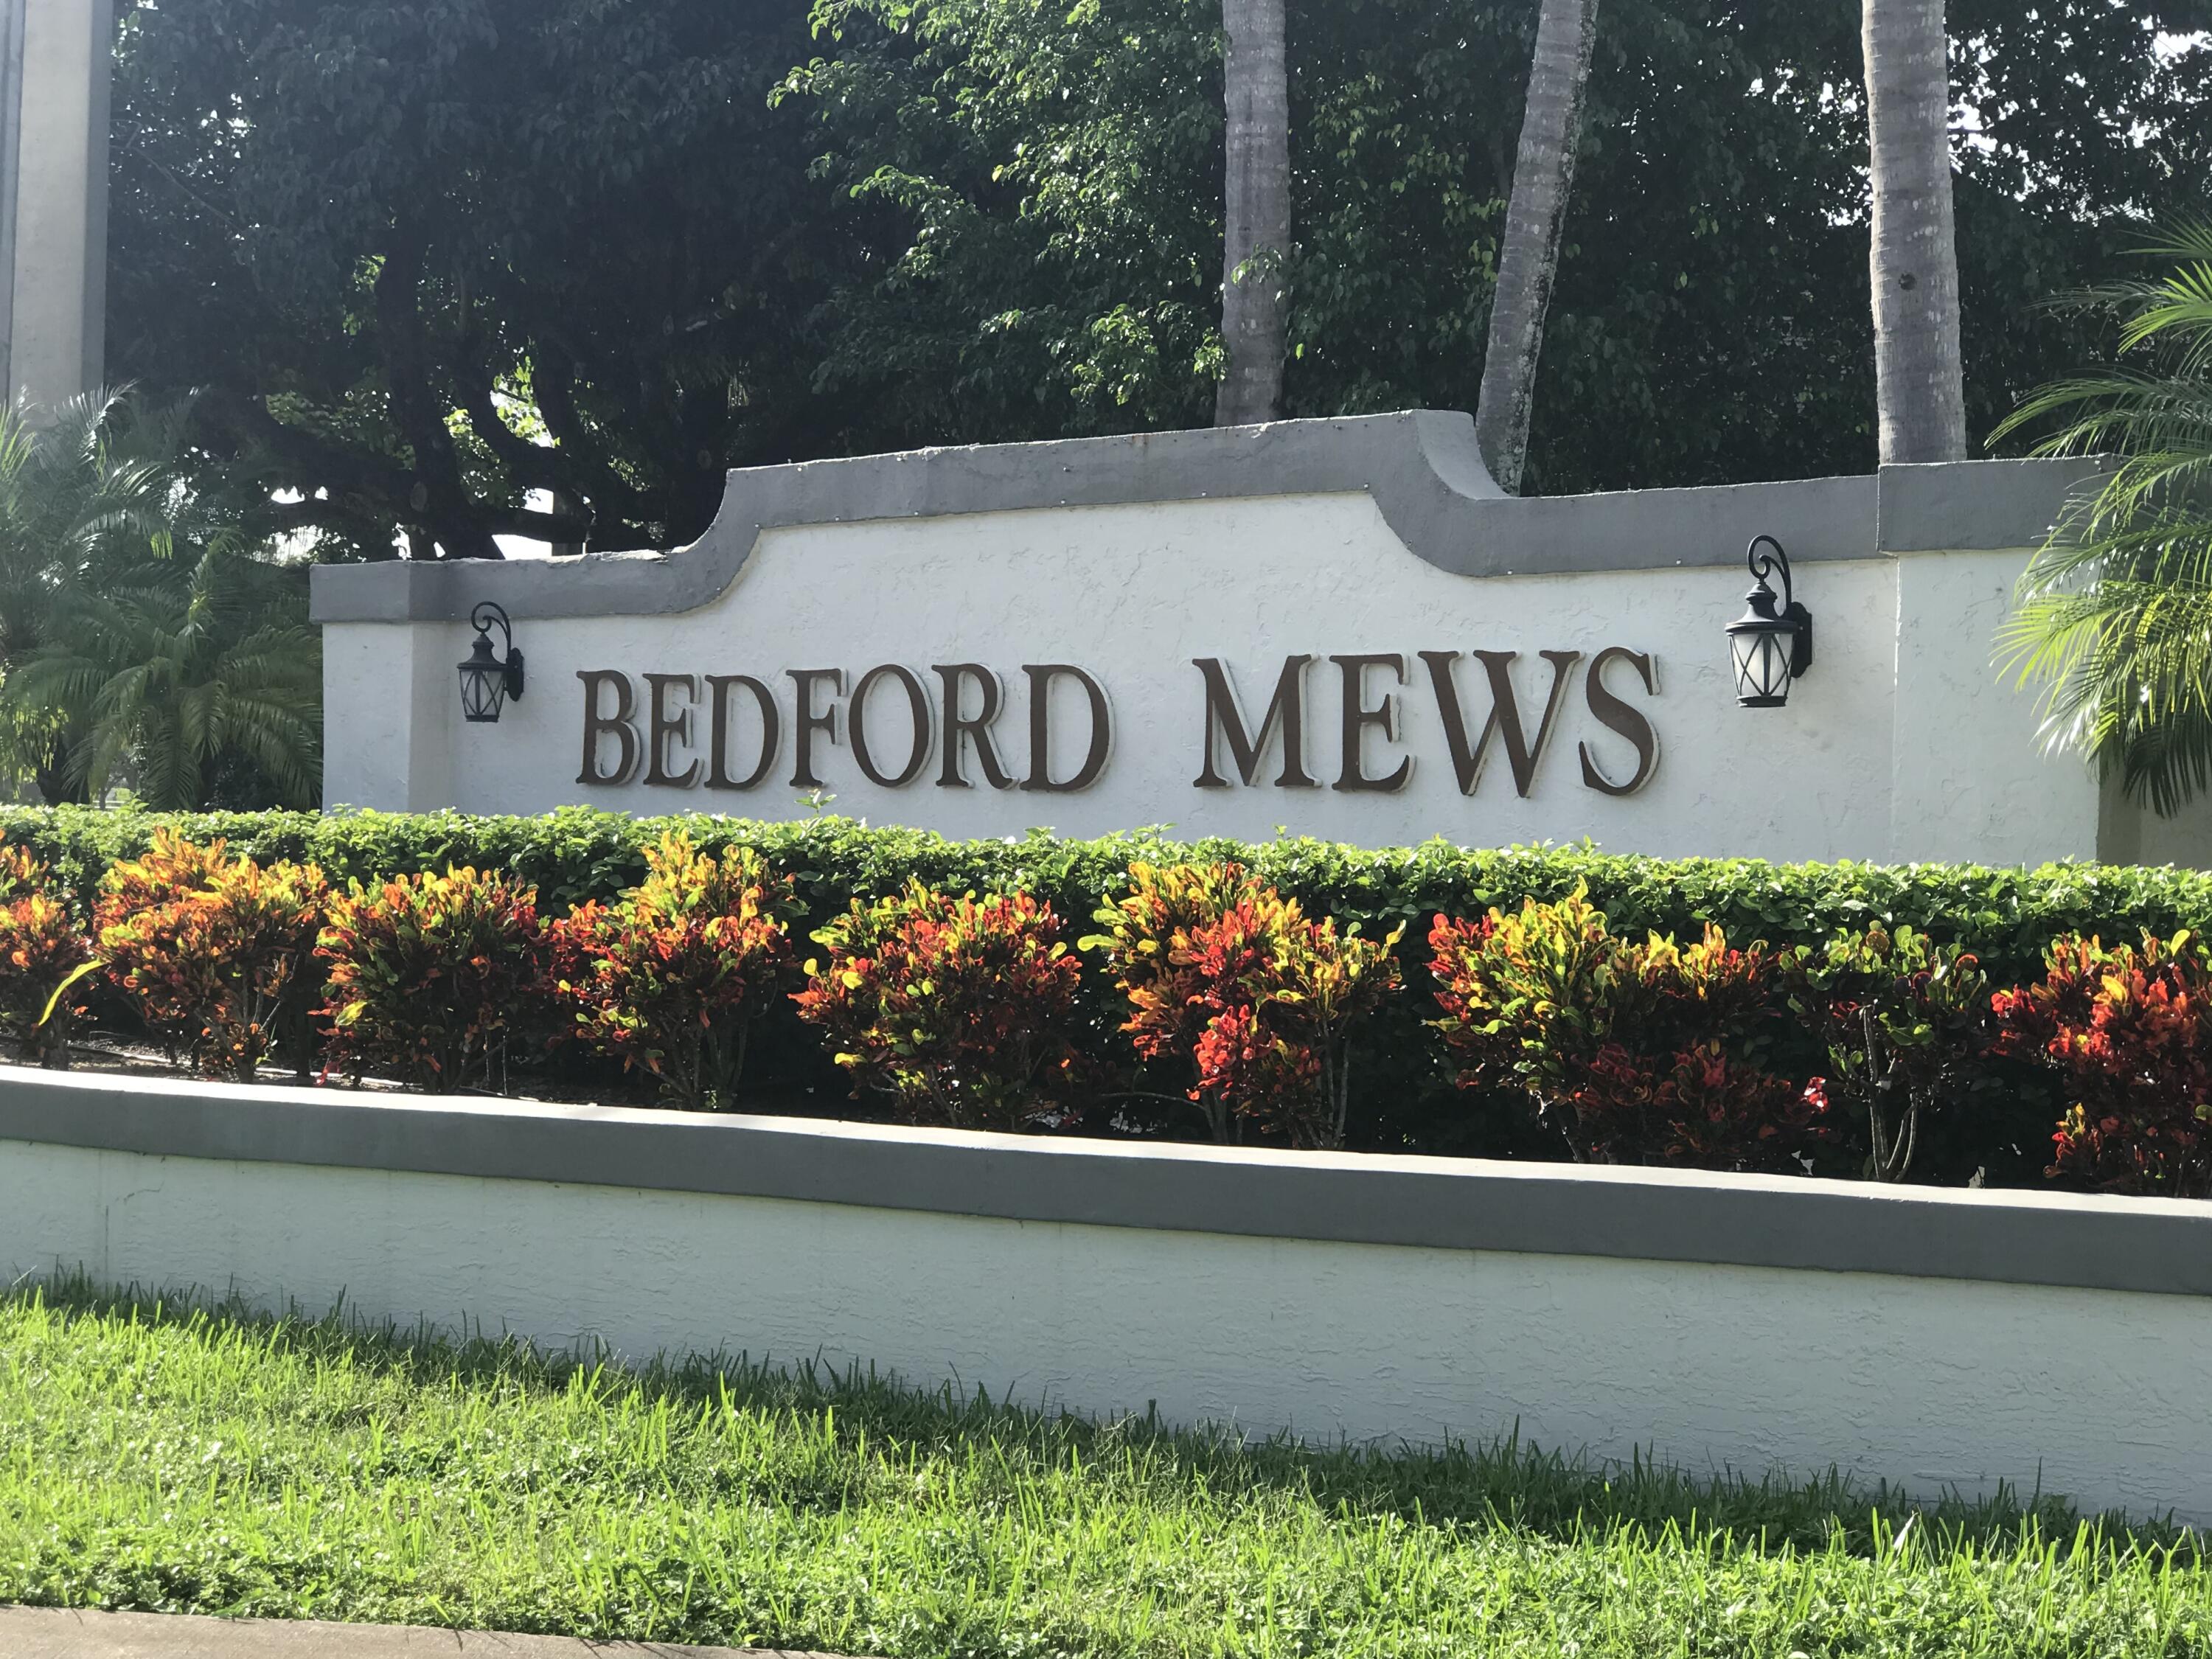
x: 1406, y: 1098
x: 2005, y: 915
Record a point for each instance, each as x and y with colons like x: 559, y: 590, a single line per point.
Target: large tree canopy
x: 425, y: 258
x: 1711, y: 318
x: 437, y: 264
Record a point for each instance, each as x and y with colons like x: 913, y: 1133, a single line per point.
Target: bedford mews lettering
x: 1372, y: 695
x: 726, y: 731
x: 1618, y: 716
x: 893, y: 719
x: 1522, y: 755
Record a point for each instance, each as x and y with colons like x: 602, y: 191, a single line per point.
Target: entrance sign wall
x: 1340, y: 627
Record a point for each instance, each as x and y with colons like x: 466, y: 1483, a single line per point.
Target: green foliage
x: 1057, y: 170
x: 140, y: 641
x: 436, y: 255
x: 83, y: 497
x: 960, y: 1009
x: 1905, y: 1023
x: 2005, y: 915
x: 2114, y: 615
x: 183, y: 674
x: 1404, y: 1093
x: 153, y: 1456
x: 432, y: 975
x: 672, y: 975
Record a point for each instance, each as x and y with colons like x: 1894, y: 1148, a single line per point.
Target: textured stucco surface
x: 1250, y: 583
x: 1935, y: 1383
x: 1133, y: 557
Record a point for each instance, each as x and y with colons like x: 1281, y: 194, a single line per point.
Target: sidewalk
x: 46, y: 1633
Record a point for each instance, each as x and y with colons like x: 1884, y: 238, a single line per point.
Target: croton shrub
x: 217, y: 952
x: 672, y: 976
x: 1933, y: 1022
x: 2129, y: 1029
x: 960, y: 1009
x: 1642, y: 1051
x: 45, y: 960
x: 1247, y: 1003
x: 432, y: 975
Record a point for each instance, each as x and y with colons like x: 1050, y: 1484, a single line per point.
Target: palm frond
x: 147, y: 633
x: 2112, y: 617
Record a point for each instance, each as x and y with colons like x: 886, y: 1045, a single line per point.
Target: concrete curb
x: 68, y: 1633
x: 2159, y: 1246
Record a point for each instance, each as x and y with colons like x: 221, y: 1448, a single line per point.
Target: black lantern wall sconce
x: 488, y: 679
x: 1772, y: 643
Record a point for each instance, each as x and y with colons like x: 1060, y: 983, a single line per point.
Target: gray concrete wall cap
x: 1420, y: 467
x: 1963, y: 506
x: 2149, y: 1245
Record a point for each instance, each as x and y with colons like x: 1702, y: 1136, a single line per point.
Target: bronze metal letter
x: 960, y: 728
x: 618, y: 725
x: 1041, y: 674
x: 810, y: 721
x: 1357, y: 717
x: 917, y: 696
x: 666, y: 727
x: 1286, y: 709
x: 1618, y: 716
x: 1504, y: 715
x: 717, y: 776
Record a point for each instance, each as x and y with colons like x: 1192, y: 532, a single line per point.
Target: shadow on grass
x: 1505, y: 1482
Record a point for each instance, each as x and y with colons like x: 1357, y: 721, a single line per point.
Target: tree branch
x: 440, y: 502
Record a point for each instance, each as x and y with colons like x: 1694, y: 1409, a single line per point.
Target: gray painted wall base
x: 2156, y: 1246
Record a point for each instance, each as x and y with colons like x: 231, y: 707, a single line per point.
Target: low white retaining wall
x: 1935, y: 1339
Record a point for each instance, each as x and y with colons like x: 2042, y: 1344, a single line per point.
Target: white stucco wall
x: 1934, y: 1383
x: 1900, y: 745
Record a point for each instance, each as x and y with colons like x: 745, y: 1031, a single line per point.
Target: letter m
x: 1285, y: 716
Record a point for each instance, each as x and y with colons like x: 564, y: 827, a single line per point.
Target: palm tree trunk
x: 1256, y: 220
x: 1920, y: 389
x: 55, y: 786
x: 1528, y: 259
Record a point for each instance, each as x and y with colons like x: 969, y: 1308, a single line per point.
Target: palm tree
x: 1920, y: 390
x: 1528, y: 258
x: 1256, y: 218
x: 181, y: 673
x: 83, y: 488
x: 2113, y: 616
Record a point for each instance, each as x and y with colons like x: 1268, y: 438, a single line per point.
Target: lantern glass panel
x: 1774, y: 665
x: 483, y: 685
x: 1740, y: 647
x: 1762, y: 663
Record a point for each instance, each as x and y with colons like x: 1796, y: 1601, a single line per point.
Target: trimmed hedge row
x: 1403, y: 1095
x: 2006, y: 917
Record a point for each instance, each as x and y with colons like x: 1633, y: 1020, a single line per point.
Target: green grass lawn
x: 177, y: 1460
